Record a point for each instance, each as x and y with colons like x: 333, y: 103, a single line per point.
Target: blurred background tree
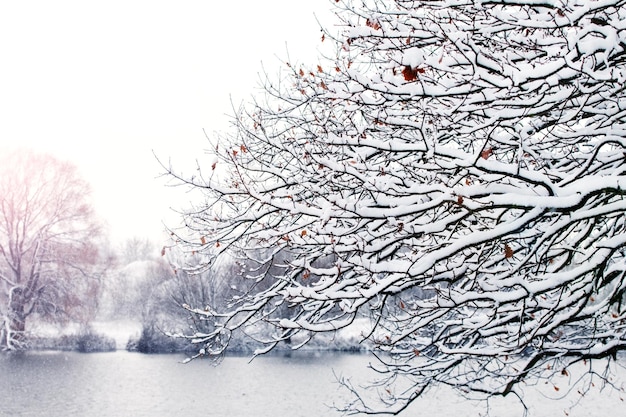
x: 51, y: 261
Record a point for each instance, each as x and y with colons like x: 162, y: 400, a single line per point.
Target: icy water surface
x: 130, y: 384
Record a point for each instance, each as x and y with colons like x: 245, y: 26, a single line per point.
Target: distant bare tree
x: 137, y: 249
x: 49, y: 256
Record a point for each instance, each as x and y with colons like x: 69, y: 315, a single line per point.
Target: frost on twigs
x: 460, y: 178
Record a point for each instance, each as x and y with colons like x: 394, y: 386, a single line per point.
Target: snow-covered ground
x: 120, y: 330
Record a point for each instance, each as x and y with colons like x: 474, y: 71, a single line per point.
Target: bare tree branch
x: 463, y: 166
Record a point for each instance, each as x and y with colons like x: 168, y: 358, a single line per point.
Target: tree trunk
x: 12, y: 335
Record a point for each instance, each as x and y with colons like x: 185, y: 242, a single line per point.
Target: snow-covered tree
x: 50, y: 262
x: 462, y: 163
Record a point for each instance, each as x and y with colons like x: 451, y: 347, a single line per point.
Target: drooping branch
x: 456, y: 174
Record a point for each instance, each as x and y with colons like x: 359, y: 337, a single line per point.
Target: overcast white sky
x: 105, y: 83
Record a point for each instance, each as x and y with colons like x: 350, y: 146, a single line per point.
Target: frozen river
x: 302, y: 385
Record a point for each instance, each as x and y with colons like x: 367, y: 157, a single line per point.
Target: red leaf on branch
x: 508, y: 252
x: 486, y: 153
x: 410, y: 73
x: 373, y: 24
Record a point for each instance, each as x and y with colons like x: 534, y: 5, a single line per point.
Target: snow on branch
x: 456, y: 174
